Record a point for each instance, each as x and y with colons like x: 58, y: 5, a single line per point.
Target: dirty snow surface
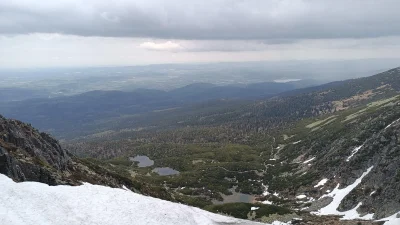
x: 32, y: 203
x: 338, y: 195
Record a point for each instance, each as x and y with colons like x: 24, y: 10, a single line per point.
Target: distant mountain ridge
x: 274, y: 112
x: 69, y: 112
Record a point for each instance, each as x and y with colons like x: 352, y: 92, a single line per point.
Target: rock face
x: 28, y: 155
x: 343, y: 155
x: 379, y: 192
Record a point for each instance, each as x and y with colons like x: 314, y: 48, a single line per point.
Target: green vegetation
x: 319, y: 122
x: 213, y: 160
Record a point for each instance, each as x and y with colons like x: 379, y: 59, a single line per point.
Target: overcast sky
x: 51, y: 33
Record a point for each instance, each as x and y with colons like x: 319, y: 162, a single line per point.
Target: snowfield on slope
x: 392, y: 220
x: 321, y: 183
x: 32, y: 203
x: 355, y: 150
x: 338, y: 195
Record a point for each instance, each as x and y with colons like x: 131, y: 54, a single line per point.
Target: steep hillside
x: 38, y: 203
x: 29, y: 155
x: 336, y: 150
x: 355, y: 151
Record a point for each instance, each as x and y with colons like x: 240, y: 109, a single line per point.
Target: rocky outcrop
x: 29, y: 155
x: 375, y: 135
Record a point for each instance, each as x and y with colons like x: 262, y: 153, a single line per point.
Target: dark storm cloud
x: 273, y: 21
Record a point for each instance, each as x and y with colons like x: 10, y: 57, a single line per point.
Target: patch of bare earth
x: 346, y: 103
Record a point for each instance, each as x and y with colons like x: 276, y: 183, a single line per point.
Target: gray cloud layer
x: 273, y: 20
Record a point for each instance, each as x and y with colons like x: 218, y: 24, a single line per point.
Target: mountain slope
x: 331, y: 152
x: 298, y: 147
x: 337, y: 147
x: 29, y: 155
x: 24, y: 152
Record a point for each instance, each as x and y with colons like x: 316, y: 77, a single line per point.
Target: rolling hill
x: 66, y: 114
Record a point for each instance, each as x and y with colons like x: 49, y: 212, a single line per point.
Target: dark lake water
x: 143, y: 160
x: 236, y: 197
x: 165, y: 171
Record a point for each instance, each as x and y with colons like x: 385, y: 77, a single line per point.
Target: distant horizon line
x: 22, y: 69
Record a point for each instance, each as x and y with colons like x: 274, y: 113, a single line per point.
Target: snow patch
x: 301, y: 196
x: 296, y: 142
x: 392, y: 220
x: 254, y: 208
x: 266, y: 202
x: 391, y: 123
x: 279, y: 223
x: 311, y: 200
x: 125, y: 188
x: 355, y: 150
x: 265, y: 193
x: 338, y: 195
x: 353, y: 214
x: 321, y: 183
x: 32, y: 203
x: 307, y: 161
